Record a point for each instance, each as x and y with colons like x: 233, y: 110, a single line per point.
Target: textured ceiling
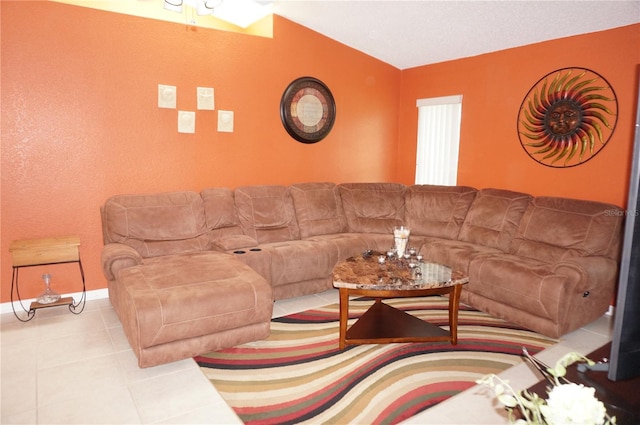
x: 406, y: 34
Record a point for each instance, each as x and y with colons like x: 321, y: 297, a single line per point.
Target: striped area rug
x: 298, y: 374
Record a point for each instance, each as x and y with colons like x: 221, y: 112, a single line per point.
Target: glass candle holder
x: 401, y: 238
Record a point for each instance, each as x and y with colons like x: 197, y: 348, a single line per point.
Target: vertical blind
x: 438, y: 140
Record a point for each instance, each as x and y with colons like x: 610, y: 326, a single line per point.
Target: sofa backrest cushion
x: 556, y: 228
x: 318, y: 209
x: 223, y: 225
x: 494, y: 217
x: 156, y: 224
x: 373, y: 207
x: 266, y: 213
x: 438, y: 211
x: 220, y: 212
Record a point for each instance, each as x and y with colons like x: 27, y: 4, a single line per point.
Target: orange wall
x: 80, y: 120
x: 493, y: 86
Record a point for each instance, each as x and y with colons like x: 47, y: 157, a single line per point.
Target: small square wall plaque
x: 166, y: 96
x: 186, y: 122
x: 206, y: 99
x: 225, y: 121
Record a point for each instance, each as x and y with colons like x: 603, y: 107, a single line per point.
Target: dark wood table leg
x: 454, y: 306
x: 344, y: 316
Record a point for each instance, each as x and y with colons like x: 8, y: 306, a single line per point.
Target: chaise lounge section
x: 174, y: 296
x: 193, y: 272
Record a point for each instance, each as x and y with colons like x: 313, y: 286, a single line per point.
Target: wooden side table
x: 42, y: 252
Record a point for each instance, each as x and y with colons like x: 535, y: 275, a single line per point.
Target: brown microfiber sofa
x: 193, y: 272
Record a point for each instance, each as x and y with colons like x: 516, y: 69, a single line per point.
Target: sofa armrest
x: 590, y: 273
x: 118, y: 256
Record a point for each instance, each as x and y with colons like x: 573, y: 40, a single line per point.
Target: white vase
x: 401, y: 239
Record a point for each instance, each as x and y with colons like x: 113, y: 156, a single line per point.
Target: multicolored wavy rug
x: 298, y: 374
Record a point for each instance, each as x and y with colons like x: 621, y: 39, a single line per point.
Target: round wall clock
x: 307, y: 110
x: 567, y: 117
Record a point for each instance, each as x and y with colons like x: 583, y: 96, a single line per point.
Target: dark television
x: 624, y: 361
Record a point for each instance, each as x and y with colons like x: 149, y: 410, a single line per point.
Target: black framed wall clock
x: 307, y: 110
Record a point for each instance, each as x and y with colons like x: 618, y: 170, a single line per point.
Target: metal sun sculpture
x: 567, y: 118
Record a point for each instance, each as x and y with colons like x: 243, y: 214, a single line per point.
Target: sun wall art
x: 567, y: 117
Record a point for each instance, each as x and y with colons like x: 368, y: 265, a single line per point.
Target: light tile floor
x: 62, y: 368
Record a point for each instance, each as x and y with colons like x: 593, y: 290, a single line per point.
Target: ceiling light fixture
x: 238, y: 12
x: 207, y: 7
x: 173, y: 5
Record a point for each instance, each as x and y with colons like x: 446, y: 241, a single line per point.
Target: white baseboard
x: 96, y: 294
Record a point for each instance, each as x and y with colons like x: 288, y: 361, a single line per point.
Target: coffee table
x: 382, y: 323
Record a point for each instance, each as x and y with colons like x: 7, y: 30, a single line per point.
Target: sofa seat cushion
x: 454, y: 254
x: 342, y: 245
x: 494, y: 217
x: 529, y: 285
x: 379, y: 241
x: 373, y: 207
x: 156, y: 224
x: 437, y: 211
x: 297, y: 261
x: 180, y: 297
x: 233, y: 242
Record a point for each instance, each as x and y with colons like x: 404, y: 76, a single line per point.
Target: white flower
x: 573, y: 404
x: 567, y: 404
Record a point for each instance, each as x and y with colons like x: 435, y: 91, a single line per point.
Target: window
x: 438, y: 140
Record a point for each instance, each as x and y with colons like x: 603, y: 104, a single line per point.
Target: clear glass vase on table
x: 401, y: 239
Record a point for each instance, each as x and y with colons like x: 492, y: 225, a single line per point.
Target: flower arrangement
x: 567, y: 402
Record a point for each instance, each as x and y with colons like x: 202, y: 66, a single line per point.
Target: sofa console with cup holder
x: 194, y: 272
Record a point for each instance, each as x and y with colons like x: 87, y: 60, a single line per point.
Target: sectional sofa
x: 193, y: 272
